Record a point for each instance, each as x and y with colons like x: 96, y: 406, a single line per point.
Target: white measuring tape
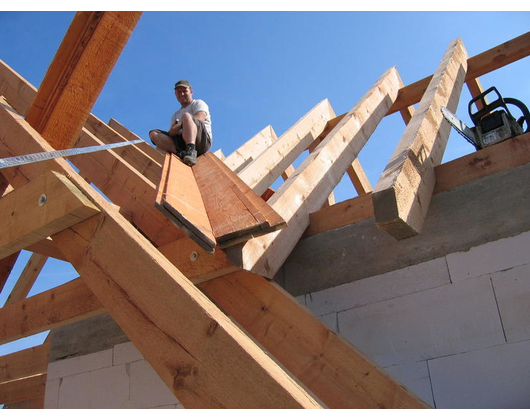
x: 39, y: 157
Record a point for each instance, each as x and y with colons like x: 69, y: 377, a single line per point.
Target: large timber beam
x: 27, y: 278
x: 313, y: 181
x: 23, y: 377
x: 62, y: 305
x: 6, y: 265
x: 335, y: 371
x: 79, y: 70
x: 269, y: 165
x: 251, y: 149
x: 404, y: 190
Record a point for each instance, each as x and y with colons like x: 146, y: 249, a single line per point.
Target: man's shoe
x: 189, y: 156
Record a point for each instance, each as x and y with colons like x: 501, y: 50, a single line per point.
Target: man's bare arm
x: 201, y: 115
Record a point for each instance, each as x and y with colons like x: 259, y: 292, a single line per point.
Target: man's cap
x: 184, y: 83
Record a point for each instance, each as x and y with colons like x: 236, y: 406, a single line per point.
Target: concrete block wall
x: 118, y: 377
x: 455, y: 330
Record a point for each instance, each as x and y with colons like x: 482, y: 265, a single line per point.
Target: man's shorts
x: 203, y: 142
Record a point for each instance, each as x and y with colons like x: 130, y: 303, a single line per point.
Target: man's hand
x: 175, y: 129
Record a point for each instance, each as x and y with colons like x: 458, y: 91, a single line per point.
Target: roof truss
x: 207, y: 361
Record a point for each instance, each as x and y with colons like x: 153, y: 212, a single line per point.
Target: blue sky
x: 261, y: 68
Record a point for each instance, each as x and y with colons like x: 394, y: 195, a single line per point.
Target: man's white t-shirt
x: 195, y: 106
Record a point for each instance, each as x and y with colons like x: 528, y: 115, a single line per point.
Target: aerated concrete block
x: 147, y: 389
x: 51, y: 394
x: 415, y: 376
x: 75, y: 365
x: 126, y: 353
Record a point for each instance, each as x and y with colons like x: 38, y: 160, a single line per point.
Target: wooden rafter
x: 6, y: 265
x: 251, y: 149
x: 83, y: 62
x: 404, y: 190
x: 269, y: 165
x: 27, y: 278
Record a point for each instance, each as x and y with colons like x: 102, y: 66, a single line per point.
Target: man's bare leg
x: 189, y: 128
x: 162, y: 142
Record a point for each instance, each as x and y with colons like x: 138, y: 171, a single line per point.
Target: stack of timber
x: 175, y: 301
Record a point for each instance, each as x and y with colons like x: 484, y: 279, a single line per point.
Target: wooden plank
x: 24, y: 363
x: 36, y: 403
x: 6, y: 265
x: 269, y: 165
x: 499, y: 157
x: 499, y: 56
x: 315, y: 178
x: 230, y: 216
x: 62, y: 305
x: 478, y: 65
x: 340, y: 214
x: 404, y: 190
x: 179, y: 199
x: 122, y: 130
x: 355, y: 171
x: 48, y: 248
x: 27, y: 278
x: 47, y: 205
x: 79, y: 70
x: 16, y: 89
x: 236, y: 213
x: 29, y: 388
x: 251, y: 149
x: 334, y: 370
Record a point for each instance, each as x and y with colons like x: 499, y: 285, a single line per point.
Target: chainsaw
x: 493, y: 121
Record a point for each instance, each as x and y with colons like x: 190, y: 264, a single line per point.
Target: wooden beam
x: 62, y: 305
x: 330, y: 367
x: 18, y: 91
x: 269, y: 165
x: 48, y: 248
x: 83, y: 62
x: 27, y: 278
x: 47, y: 205
x: 251, y: 149
x: 315, y: 178
x: 6, y: 265
x: 24, y: 389
x: 18, y: 372
x: 122, y: 130
x: 144, y: 158
x: 404, y: 190
x: 340, y: 214
x: 204, y: 359
x: 24, y: 363
x: 478, y: 65
x: 499, y: 157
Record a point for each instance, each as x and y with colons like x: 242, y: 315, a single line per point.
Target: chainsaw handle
x: 523, y: 108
